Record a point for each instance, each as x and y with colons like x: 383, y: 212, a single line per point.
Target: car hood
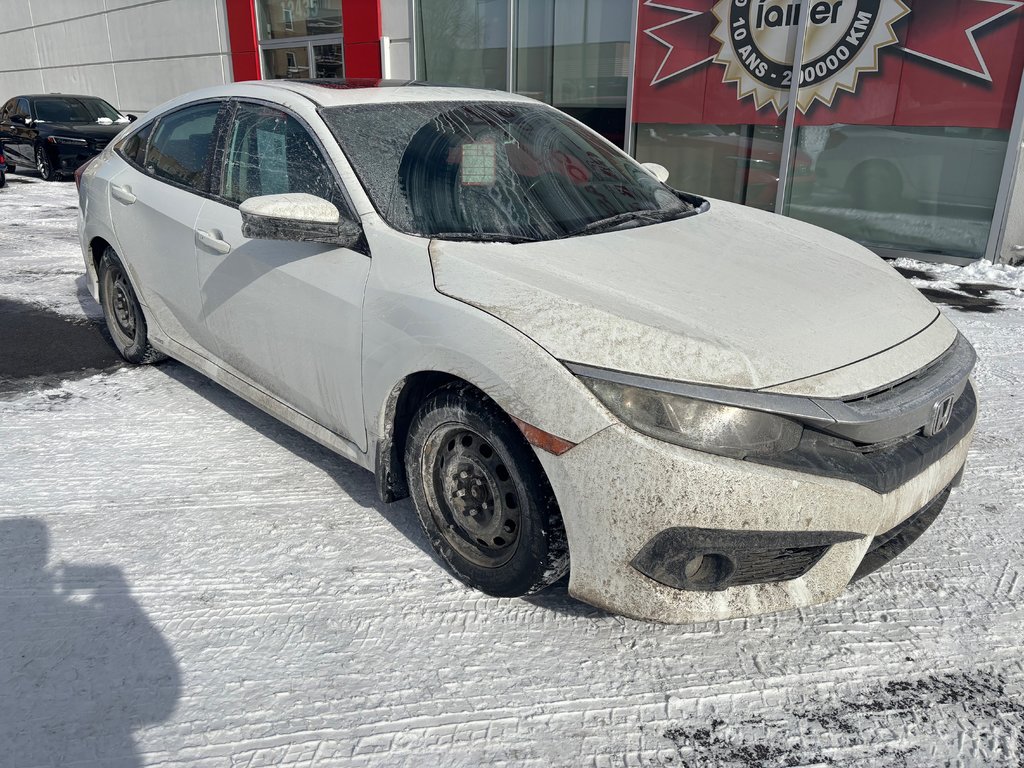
x: 82, y: 130
x: 731, y: 297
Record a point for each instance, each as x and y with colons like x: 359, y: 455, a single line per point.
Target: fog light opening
x: 708, y: 570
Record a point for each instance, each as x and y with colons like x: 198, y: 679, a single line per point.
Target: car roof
x: 338, y: 92
x: 60, y: 95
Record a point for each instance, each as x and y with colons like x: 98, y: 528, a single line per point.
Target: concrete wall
x: 396, y: 21
x: 135, y: 54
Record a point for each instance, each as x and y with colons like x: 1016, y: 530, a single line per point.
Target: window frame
x: 219, y: 154
x: 215, y: 140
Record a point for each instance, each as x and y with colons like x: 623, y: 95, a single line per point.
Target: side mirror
x: 658, y: 171
x: 297, y: 216
x: 132, y: 118
x: 19, y: 119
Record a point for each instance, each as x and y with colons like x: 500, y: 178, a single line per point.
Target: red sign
x: 878, y: 62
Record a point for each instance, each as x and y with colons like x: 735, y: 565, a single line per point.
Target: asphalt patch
x: 976, y: 301
x: 36, y: 344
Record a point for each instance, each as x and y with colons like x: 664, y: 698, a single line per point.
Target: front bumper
x: 619, y: 489
x: 68, y: 158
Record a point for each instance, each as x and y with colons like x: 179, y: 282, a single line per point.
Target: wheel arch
x: 399, y: 408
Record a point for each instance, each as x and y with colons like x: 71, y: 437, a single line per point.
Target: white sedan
x: 696, y: 409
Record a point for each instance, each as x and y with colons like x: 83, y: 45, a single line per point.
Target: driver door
x: 285, y: 315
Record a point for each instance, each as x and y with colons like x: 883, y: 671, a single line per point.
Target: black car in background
x: 55, y: 133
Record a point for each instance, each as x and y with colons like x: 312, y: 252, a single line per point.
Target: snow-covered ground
x: 186, y: 582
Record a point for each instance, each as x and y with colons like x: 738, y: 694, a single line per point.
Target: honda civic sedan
x: 695, y: 409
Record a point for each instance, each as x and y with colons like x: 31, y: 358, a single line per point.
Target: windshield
x: 73, y: 110
x: 483, y: 170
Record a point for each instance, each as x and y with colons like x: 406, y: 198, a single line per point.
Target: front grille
x: 889, y: 545
x: 774, y: 565
x: 881, y: 468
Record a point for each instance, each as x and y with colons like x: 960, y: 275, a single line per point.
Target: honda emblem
x: 941, y: 412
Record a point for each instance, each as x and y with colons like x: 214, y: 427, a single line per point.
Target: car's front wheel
x: 44, y: 165
x: 482, y: 496
x: 125, y: 321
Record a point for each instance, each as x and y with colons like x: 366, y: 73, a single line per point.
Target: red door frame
x: 361, y: 25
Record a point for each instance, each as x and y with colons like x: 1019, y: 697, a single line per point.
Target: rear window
x: 181, y: 146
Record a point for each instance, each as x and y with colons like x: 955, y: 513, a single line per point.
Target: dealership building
x: 895, y: 122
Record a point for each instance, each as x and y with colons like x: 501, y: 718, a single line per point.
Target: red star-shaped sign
x: 943, y: 32
x: 686, y: 37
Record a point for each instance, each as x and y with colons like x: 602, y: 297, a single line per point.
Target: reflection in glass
x: 283, y: 63
x: 463, y: 42
x: 298, y: 18
x: 912, y: 188
x: 328, y: 61
x: 574, y: 54
x: 739, y: 163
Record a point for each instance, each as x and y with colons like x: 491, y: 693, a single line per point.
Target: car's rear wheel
x: 44, y: 165
x: 3, y: 179
x: 482, y: 496
x: 125, y: 321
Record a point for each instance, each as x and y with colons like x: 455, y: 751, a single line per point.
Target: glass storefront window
x: 574, y: 54
x: 281, y: 19
x: 283, y: 63
x: 328, y: 61
x: 463, y: 42
x: 925, y: 189
x: 738, y: 163
x: 901, y: 122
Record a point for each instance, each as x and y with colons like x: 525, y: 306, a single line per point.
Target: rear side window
x: 268, y: 152
x: 133, y: 148
x: 181, y: 145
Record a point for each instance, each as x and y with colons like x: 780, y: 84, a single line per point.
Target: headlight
x: 698, y: 424
x: 67, y: 140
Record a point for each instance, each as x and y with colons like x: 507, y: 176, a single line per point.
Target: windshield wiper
x: 484, y: 237
x: 651, y: 215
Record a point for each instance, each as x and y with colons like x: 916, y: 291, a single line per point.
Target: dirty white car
x: 696, y: 409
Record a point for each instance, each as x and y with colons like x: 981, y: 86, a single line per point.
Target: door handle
x: 212, y: 241
x: 122, y: 194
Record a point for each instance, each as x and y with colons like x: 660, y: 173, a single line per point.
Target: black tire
x: 125, y: 320
x: 3, y: 179
x: 44, y: 165
x: 504, y: 534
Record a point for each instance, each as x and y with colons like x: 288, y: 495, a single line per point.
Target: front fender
x: 409, y: 327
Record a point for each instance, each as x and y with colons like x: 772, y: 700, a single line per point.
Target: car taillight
x: 79, y: 171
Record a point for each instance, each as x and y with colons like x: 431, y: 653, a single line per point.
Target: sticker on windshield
x: 478, y: 164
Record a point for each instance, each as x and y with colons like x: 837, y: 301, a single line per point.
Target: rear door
x: 287, y: 315
x: 154, y: 204
x: 17, y: 137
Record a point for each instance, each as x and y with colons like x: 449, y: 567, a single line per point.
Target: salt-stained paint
x: 732, y: 297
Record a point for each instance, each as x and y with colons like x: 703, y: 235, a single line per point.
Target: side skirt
x: 264, y: 401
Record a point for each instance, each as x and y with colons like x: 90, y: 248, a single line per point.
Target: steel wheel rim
x: 120, y: 304
x: 473, y: 499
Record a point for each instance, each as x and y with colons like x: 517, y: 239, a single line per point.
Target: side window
x: 181, y: 144
x: 268, y: 152
x: 22, y: 108
x: 133, y: 147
